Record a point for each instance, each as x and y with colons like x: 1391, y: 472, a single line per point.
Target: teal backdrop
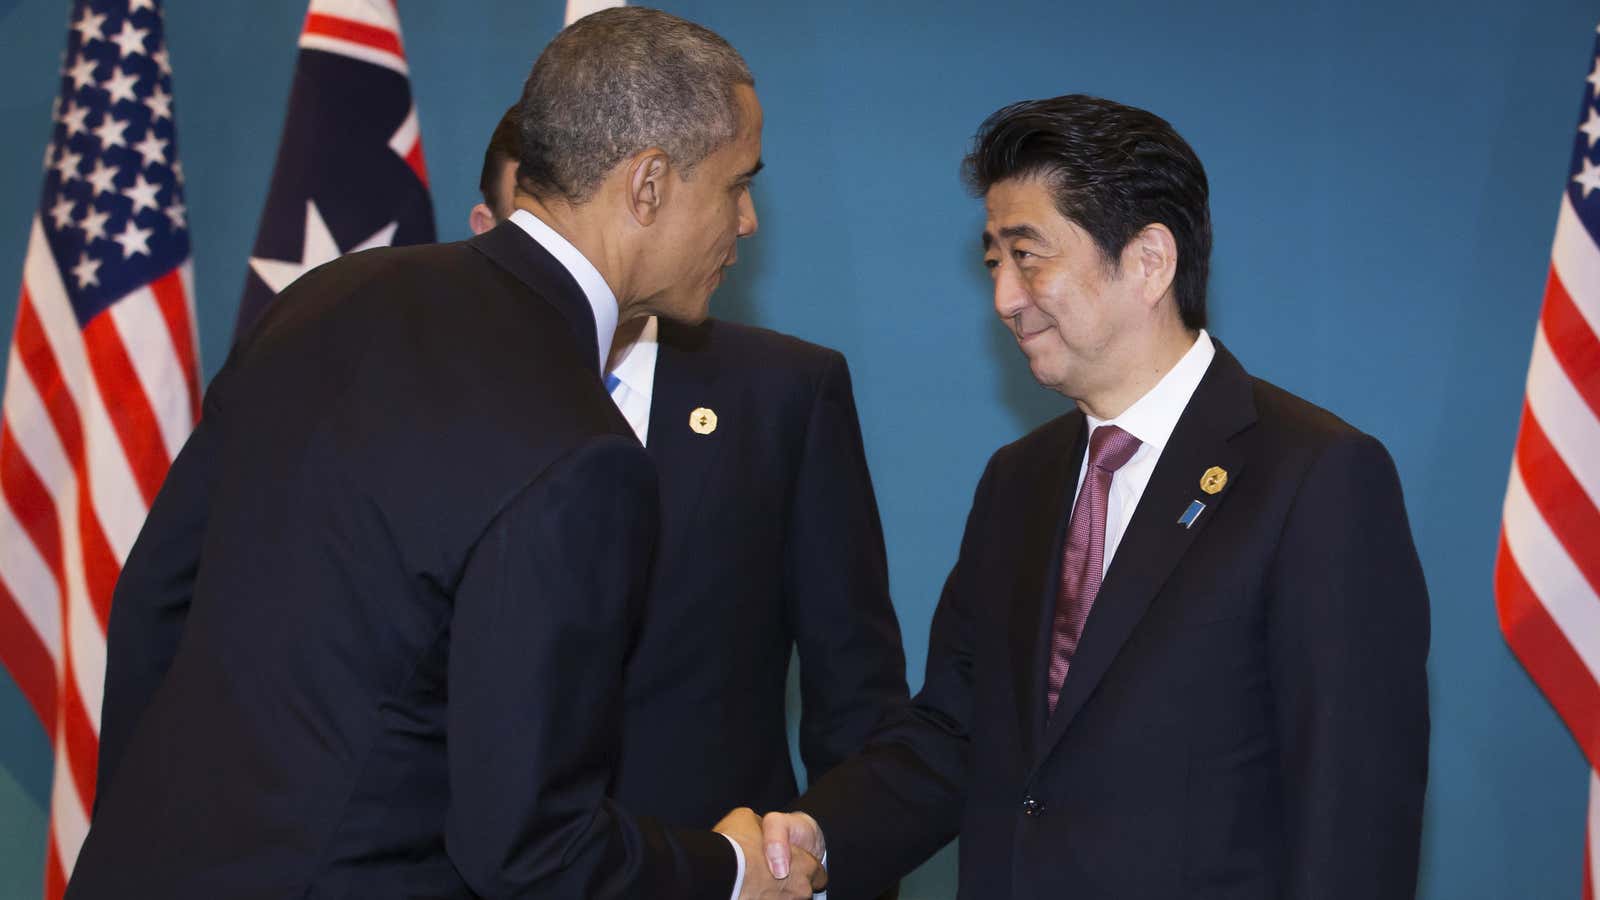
x: 1385, y: 178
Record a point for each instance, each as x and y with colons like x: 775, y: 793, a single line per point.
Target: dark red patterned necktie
x: 1083, y: 557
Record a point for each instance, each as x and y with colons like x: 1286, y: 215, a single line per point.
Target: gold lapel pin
x: 1214, y: 480
x: 702, y: 420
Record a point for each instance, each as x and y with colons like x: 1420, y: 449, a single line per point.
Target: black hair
x: 1113, y: 169
x: 504, y: 146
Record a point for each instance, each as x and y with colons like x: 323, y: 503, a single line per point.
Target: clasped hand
x: 791, y: 847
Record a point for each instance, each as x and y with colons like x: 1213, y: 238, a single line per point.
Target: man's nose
x: 1010, y: 298
x: 747, y: 215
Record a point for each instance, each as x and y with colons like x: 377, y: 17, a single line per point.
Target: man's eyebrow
x: 1013, y: 232
x: 760, y: 164
x: 1024, y: 232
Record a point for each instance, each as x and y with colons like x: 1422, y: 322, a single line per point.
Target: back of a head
x: 1113, y: 169
x: 505, y: 145
x: 620, y: 81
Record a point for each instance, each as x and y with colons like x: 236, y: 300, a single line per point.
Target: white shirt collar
x: 1152, y: 417
x: 637, y: 367
x: 595, y: 289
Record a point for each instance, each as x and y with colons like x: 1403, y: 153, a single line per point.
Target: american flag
x: 102, y: 384
x: 350, y: 173
x: 1547, y: 576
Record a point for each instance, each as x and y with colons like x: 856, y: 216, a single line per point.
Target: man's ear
x: 481, y: 218
x: 1152, y: 256
x: 647, y: 173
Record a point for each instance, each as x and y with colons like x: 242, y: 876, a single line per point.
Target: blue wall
x: 1385, y: 179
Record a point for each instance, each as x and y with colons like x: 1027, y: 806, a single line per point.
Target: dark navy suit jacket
x: 770, y: 542
x: 371, y: 640
x: 1247, y: 713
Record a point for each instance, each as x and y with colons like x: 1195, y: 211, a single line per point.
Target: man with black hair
x: 1181, y: 653
x: 770, y: 541
x: 497, y: 179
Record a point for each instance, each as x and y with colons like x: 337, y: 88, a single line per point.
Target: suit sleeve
x: 540, y: 631
x: 1348, y: 643
x: 887, y: 809
x: 151, y: 602
x: 852, y: 665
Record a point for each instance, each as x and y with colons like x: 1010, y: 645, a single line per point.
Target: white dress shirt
x: 636, y: 380
x: 636, y: 377
x: 1151, y: 419
x: 595, y: 289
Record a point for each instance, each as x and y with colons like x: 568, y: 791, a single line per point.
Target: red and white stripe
x: 1547, y: 575
x: 92, y: 417
x: 368, y: 30
x: 407, y: 144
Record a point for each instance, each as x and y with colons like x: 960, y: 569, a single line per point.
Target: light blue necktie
x: 612, y: 381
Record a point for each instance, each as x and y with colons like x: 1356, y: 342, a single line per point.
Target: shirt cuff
x: 738, y: 878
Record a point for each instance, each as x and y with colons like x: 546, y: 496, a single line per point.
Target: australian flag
x: 350, y: 174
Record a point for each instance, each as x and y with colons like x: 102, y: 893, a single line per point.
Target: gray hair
x: 620, y: 81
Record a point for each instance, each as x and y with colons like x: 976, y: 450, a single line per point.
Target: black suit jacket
x: 370, y: 642
x: 770, y: 540
x: 1246, y: 716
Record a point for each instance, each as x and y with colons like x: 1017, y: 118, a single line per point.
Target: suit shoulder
x: 349, y: 285
x: 1299, y: 422
x: 784, y: 373
x: 384, y: 265
x: 749, y: 345
x: 1307, y: 445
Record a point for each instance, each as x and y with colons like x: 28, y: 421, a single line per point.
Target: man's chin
x: 1046, y: 376
x: 687, y: 313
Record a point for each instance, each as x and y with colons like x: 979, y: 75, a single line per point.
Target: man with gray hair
x: 770, y: 542
x: 371, y: 639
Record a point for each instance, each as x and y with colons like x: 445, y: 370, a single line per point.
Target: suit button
x: 1032, y: 807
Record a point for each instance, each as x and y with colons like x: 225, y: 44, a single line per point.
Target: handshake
x: 791, y: 845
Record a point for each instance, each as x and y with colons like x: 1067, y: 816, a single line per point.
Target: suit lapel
x: 514, y: 250
x: 1155, y: 540
x: 686, y: 378
x: 1037, y: 569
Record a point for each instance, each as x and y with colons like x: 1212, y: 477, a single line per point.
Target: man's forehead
x: 1020, y: 209
x: 751, y: 116
x: 745, y: 148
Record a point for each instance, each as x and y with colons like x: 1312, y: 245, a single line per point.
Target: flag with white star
x: 350, y: 173
x: 102, y: 383
x: 1547, y: 571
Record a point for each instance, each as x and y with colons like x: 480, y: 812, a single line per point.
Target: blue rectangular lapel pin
x: 1192, y: 513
